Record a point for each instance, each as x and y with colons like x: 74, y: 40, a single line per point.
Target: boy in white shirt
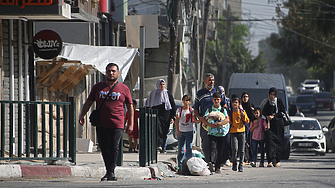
x: 185, y: 119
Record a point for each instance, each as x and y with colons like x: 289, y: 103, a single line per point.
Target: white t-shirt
x: 185, y: 122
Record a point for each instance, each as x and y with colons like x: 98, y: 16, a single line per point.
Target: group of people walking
x: 221, y: 140
x: 243, y: 129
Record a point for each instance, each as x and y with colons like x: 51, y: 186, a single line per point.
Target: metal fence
x: 148, y: 136
x: 38, y: 130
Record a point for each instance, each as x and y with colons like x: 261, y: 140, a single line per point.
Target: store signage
x: 23, y: 3
x: 47, y: 44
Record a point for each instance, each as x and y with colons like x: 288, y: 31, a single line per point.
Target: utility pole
x: 226, y: 47
x: 195, y: 42
x: 204, y: 39
x: 173, y: 45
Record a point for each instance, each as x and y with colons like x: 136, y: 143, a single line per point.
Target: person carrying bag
x: 95, y: 115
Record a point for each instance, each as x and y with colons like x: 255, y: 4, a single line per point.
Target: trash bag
x: 184, y: 168
x: 197, y: 166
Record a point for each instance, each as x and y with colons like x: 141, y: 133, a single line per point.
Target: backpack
x: 181, y: 109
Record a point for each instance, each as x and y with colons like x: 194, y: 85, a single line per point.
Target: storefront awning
x: 100, y: 56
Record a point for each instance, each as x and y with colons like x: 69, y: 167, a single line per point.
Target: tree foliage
x: 307, y: 34
x: 239, y: 58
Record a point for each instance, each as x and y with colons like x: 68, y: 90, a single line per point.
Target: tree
x: 307, y: 35
x: 239, y: 58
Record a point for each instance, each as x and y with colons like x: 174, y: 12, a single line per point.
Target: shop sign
x: 47, y: 44
x: 23, y: 3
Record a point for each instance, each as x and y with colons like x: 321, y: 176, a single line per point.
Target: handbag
x: 95, y: 115
x: 286, y: 119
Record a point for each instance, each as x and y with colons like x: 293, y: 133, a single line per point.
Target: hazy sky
x: 259, y: 9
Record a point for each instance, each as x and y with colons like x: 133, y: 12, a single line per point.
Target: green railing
x: 38, y: 130
x: 148, y: 136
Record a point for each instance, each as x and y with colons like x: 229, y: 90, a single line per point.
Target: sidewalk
x: 89, y: 165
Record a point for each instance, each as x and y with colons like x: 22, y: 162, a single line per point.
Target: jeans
x: 255, y: 143
x: 238, y: 145
x: 188, y: 138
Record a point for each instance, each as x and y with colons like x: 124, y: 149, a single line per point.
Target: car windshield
x: 305, y: 100
x: 322, y: 95
x: 305, y: 125
x: 311, y: 82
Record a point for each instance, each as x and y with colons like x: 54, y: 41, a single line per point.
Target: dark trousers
x: 218, y: 150
x: 204, y: 143
x: 109, y: 140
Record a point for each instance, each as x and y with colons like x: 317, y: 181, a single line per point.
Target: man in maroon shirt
x: 111, y: 126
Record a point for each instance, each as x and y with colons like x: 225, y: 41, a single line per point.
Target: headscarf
x: 158, y: 96
x: 247, y: 106
x: 273, y: 102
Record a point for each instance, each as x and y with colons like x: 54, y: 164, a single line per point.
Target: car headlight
x: 303, y: 87
x: 291, y: 136
x: 320, y: 136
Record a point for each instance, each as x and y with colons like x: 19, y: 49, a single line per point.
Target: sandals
x: 270, y: 165
x: 277, y: 164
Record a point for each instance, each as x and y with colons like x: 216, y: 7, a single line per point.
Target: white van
x: 257, y: 85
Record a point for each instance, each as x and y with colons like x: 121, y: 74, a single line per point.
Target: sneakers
x: 159, y: 148
x: 253, y: 164
x: 227, y: 162
x: 261, y: 165
x: 234, y: 168
x: 240, y: 168
x: 210, y: 167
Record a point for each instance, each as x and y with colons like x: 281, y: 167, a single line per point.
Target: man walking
x: 203, y: 101
x: 111, y: 126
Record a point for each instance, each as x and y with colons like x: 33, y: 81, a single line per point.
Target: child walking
x: 134, y: 135
x: 217, y: 134
x: 184, y: 126
x: 258, y: 127
x: 237, y: 133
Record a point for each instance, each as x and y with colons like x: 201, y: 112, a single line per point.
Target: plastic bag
x: 197, y: 166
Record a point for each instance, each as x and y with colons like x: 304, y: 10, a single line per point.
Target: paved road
x: 301, y: 170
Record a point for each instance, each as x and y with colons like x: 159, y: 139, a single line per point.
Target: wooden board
x: 75, y: 81
x: 62, y: 78
x: 46, y: 74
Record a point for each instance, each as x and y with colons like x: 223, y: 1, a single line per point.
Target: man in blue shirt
x: 203, y: 101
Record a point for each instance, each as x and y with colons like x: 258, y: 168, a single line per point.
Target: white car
x: 307, y: 135
x: 310, y: 86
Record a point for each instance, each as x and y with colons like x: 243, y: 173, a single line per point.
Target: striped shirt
x: 203, y: 100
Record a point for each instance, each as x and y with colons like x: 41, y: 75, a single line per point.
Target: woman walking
x: 272, y: 108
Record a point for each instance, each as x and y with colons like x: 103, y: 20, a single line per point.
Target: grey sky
x: 259, y: 9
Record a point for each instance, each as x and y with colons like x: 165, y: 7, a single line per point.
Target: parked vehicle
x: 324, y: 100
x: 306, y: 103
x: 307, y: 136
x: 257, y: 85
x: 330, y: 136
x: 310, y: 86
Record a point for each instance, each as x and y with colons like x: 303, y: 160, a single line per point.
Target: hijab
x: 273, y: 102
x: 247, y: 106
x: 158, y: 97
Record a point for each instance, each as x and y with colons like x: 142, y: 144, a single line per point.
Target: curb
x: 37, y: 171
x: 55, y: 171
x: 10, y: 171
